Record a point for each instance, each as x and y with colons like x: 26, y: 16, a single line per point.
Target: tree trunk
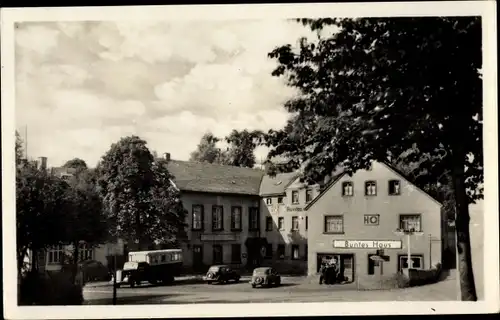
x: 74, y: 268
x: 462, y: 220
x: 34, y: 260
x: 21, y: 254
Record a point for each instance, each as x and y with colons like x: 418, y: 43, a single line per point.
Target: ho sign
x: 371, y: 219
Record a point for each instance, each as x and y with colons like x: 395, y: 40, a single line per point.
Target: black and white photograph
x: 250, y: 160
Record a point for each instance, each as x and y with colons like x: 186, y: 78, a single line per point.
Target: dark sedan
x: 265, y: 276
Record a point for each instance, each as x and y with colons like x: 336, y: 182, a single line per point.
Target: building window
x: 269, y: 201
x: 307, y: 223
x: 253, y: 219
x: 295, y: 197
x: 281, y: 251
x: 217, y: 253
x: 269, y: 224
x: 236, y: 253
x: 217, y: 218
x: 410, y: 222
x: 370, y: 188
x: 197, y: 217
x: 417, y: 262
x: 334, y: 224
x: 347, y: 189
x: 280, y: 200
x: 281, y: 223
x: 295, y: 223
x: 269, y: 251
x: 295, y: 252
x: 306, y: 252
x: 235, y: 218
x: 85, y: 252
x: 394, y: 187
x: 309, y: 195
x: 56, y: 254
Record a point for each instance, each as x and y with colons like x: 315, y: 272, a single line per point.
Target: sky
x: 81, y: 86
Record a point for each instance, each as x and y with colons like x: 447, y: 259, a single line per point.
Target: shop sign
x: 290, y: 209
x: 371, y: 219
x: 368, y: 244
x: 218, y: 237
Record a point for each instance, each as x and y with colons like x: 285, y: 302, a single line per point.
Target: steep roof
x: 214, y: 178
x: 278, y: 184
x: 339, y: 175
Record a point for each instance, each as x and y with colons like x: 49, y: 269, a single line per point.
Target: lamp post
x: 115, y: 266
x: 408, y: 233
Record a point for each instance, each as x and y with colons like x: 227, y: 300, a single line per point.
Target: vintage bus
x: 158, y: 266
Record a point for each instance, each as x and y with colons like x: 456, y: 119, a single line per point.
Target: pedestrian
x: 335, y: 270
x: 322, y: 273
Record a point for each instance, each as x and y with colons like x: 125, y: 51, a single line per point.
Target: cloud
x: 80, y: 86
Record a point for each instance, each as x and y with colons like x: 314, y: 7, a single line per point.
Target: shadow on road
x: 283, y: 285
x: 150, y: 299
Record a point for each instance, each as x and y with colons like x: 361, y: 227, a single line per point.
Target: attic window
x: 278, y: 183
x: 233, y: 182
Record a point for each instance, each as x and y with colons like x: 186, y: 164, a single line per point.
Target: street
x: 293, y: 289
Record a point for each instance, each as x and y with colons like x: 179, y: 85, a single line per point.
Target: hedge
x: 46, y: 289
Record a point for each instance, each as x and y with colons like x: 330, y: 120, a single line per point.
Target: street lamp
x: 408, y: 233
x: 114, y: 265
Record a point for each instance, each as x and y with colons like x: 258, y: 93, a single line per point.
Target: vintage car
x: 221, y: 274
x: 265, y: 276
x: 158, y: 266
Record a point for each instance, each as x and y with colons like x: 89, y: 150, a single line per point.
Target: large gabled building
x: 358, y: 217
x: 223, y: 205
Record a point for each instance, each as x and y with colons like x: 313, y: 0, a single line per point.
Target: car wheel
x: 253, y: 286
x: 132, y: 284
x: 278, y: 282
x: 237, y: 279
x: 209, y: 282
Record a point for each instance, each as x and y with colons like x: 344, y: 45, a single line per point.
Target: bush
x: 46, y: 289
x: 423, y: 277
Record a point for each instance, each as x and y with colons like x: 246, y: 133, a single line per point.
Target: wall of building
x: 388, y: 207
x: 207, y: 238
x: 99, y: 253
x: 286, y: 236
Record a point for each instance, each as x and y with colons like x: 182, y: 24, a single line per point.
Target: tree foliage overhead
x: 239, y: 153
x: 378, y: 87
x: 138, y: 197
x: 207, y: 150
x: 77, y: 164
x: 19, y: 149
x: 41, y: 206
x: 242, y: 145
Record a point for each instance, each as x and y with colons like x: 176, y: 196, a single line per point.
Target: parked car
x: 91, y: 270
x: 265, y: 276
x: 221, y: 274
x: 157, y: 266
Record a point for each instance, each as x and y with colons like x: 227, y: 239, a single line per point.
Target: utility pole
x: 26, y: 141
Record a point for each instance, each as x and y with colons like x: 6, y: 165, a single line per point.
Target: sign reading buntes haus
x: 367, y: 244
x: 294, y: 209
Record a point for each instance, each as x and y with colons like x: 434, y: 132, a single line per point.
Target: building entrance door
x: 198, y: 258
x: 347, y: 267
x: 345, y: 261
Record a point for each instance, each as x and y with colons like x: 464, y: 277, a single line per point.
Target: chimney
x: 166, y: 156
x: 42, y: 163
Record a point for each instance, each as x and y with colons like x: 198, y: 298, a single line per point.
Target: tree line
x: 129, y: 195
